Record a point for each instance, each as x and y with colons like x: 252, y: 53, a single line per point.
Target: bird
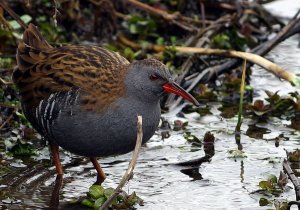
x: 85, y: 98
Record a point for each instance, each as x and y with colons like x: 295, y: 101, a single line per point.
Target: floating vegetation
x: 191, y: 138
x: 97, y: 195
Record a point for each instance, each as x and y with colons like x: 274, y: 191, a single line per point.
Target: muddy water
x: 222, y: 183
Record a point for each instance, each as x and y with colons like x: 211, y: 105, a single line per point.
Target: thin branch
x: 5, y: 82
x: 7, y: 120
x: 13, y: 14
x: 173, y: 18
x: 131, y: 165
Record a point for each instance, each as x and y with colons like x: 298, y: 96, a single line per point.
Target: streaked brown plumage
x: 44, y: 70
x: 86, y: 98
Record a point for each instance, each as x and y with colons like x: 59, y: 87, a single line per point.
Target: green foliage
x: 16, y: 145
x: 294, y: 156
x: 50, y: 31
x: 221, y: 41
x: 168, y: 56
x: 23, y: 149
x: 191, y: 138
x: 15, y: 25
x: 296, y: 82
x: 139, y: 25
x: 97, y: 195
x: 229, y: 40
x: 130, y: 54
x: 264, y: 202
x: 96, y: 191
x: 23, y: 119
x: 6, y: 63
x: 271, y: 185
x: 278, y: 105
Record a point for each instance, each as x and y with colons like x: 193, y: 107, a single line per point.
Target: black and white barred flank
x: 44, y: 115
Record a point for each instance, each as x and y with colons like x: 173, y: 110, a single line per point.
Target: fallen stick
x: 131, y: 165
x: 257, y: 59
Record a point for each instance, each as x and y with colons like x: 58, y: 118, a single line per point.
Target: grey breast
x: 112, y: 131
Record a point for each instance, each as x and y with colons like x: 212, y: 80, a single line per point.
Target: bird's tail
x: 31, y: 51
x: 33, y: 38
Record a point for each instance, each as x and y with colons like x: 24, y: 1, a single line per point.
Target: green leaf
x: 108, y: 192
x: 296, y: 82
x: 263, y: 202
x: 6, y: 62
x: 15, y: 25
x: 96, y: 191
x: 132, y: 199
x: 23, y: 149
x: 133, y: 29
x: 272, y: 178
x: 23, y: 118
x: 264, y: 185
x: 26, y: 18
x: 87, y: 202
x: 173, y: 39
x: 192, y: 138
x: 160, y: 41
x: 99, y: 202
x: 128, y: 53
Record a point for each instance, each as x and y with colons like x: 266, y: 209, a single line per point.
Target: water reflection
x: 54, y: 201
x: 193, y: 165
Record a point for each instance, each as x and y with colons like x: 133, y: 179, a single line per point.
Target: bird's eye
x: 153, y: 77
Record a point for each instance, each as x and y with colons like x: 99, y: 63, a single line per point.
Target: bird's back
x: 43, y: 70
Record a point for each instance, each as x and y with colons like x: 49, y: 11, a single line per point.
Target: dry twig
x: 131, y: 165
x: 173, y: 18
x: 13, y: 14
x: 7, y: 120
x: 4, y: 82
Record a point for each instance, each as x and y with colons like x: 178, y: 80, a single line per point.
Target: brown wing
x: 43, y: 70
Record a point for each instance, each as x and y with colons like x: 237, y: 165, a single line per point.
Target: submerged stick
x: 131, y: 165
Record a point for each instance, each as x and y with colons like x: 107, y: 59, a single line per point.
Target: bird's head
x: 149, y: 79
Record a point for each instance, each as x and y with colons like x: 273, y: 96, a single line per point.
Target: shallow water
x: 222, y: 183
